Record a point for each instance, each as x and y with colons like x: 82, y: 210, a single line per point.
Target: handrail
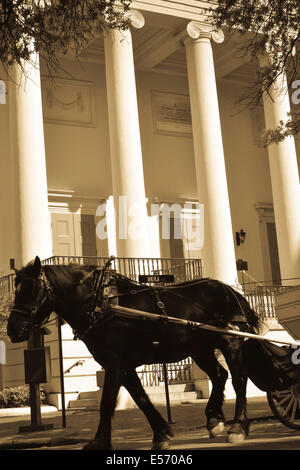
x: 76, y: 364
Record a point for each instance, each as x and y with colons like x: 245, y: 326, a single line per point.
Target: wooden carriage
x: 285, y: 404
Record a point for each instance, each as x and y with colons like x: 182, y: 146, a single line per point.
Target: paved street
x: 130, y: 431
x: 269, y: 435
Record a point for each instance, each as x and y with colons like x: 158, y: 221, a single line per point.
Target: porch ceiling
x: 158, y: 47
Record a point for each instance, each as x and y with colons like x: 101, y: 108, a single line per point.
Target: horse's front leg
x: 240, y: 428
x: 112, y: 383
x: 161, y: 429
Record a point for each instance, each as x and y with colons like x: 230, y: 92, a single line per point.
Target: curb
x: 20, y: 443
x: 30, y: 443
x: 24, y: 411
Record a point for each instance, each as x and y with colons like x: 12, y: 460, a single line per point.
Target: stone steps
x: 178, y: 393
x: 84, y: 404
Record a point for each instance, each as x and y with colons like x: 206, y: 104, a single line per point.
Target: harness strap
x: 239, y: 318
x: 159, y: 303
x: 95, y: 310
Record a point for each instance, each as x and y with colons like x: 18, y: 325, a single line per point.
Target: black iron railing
x: 7, y: 283
x: 178, y: 373
x: 262, y: 298
x: 260, y: 295
x: 182, y: 269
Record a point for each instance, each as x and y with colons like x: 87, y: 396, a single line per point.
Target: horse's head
x: 32, y: 303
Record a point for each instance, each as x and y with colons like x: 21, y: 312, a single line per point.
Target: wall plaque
x: 69, y: 102
x: 171, y: 113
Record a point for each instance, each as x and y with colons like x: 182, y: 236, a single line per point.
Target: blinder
x: 30, y: 313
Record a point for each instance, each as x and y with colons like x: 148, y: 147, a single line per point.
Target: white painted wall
x: 78, y: 158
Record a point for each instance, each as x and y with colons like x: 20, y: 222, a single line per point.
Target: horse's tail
x: 252, y: 317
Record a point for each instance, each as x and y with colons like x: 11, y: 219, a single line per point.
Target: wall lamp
x: 240, y: 237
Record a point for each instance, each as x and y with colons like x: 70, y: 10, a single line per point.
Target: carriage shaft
x: 133, y: 313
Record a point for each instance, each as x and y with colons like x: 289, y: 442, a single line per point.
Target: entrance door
x: 73, y: 234
x: 270, y: 253
x: 184, y: 240
x: 273, y: 253
x: 85, y: 234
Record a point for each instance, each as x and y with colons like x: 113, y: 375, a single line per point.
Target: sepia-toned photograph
x: 150, y: 229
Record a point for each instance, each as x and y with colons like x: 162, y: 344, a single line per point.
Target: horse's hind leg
x: 112, y: 383
x: 218, y: 376
x: 232, y: 353
x: 161, y: 429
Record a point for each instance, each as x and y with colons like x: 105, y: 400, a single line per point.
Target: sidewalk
x: 129, y: 426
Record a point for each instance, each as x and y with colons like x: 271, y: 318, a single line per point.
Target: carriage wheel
x: 285, y: 405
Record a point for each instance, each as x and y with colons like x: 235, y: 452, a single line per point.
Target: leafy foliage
x: 285, y: 129
x: 16, y: 397
x: 50, y: 27
x: 6, y: 302
x: 272, y: 26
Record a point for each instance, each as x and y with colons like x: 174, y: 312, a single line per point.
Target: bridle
x: 31, y: 312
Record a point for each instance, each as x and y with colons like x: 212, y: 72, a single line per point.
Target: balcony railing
x: 7, y: 283
x: 182, y: 269
x: 262, y: 298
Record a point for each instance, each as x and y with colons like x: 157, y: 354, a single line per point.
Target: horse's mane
x: 65, y: 276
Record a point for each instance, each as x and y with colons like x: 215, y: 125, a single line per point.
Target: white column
x: 32, y: 219
x: 285, y: 180
x: 218, y: 250
x: 125, y: 143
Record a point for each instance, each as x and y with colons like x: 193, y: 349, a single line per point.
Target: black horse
x: 121, y: 344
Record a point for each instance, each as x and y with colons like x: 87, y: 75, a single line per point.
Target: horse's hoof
x: 161, y: 445
x: 95, y: 445
x: 234, y: 438
x: 216, y: 431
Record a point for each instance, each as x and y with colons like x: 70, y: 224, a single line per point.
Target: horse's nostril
x: 17, y: 331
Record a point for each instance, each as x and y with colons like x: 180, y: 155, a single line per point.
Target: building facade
x: 149, y: 114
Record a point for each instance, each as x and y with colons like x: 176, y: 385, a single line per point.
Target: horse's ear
x: 36, y: 267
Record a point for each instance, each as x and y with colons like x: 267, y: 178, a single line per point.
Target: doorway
x: 269, y: 244
x: 73, y: 234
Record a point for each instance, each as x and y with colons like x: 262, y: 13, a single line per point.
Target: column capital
x: 196, y: 30
x: 136, y: 18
